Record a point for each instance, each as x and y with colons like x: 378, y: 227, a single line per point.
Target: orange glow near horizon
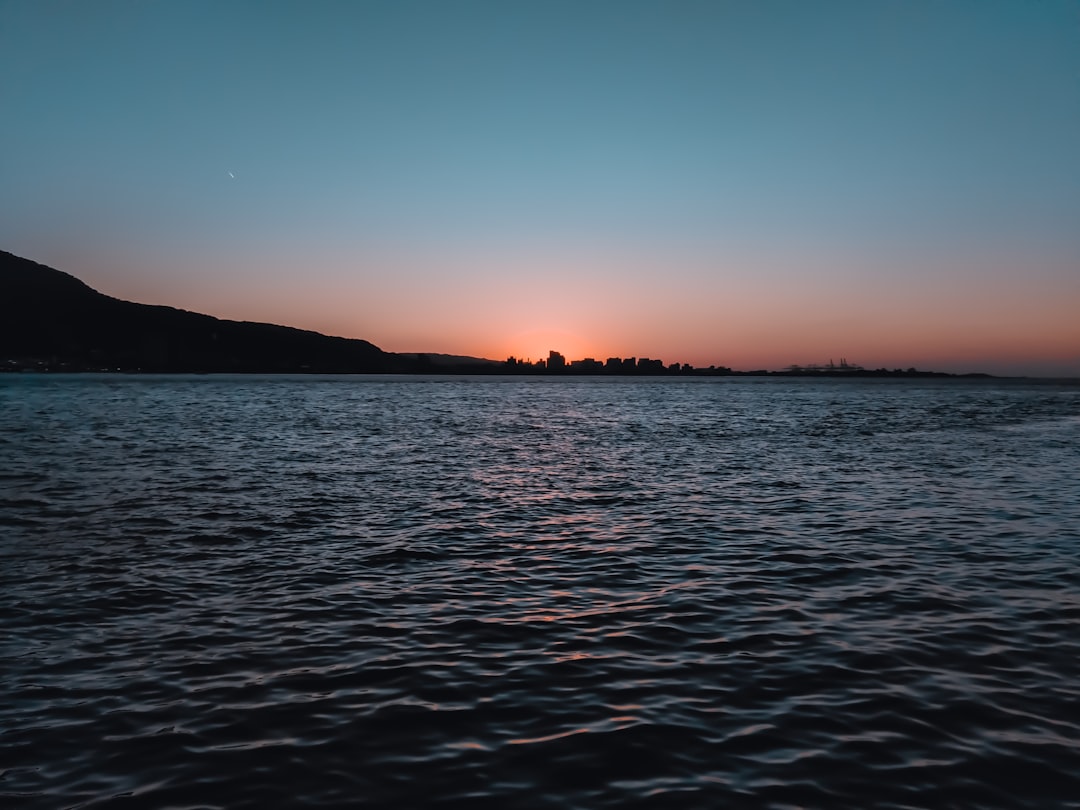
x: 745, y: 312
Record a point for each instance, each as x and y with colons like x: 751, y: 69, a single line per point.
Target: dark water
x: 530, y: 593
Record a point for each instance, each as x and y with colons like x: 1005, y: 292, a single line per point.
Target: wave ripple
x: 334, y: 592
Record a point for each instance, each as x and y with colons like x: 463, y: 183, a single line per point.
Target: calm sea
x: 232, y: 592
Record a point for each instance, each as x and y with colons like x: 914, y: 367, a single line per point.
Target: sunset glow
x: 748, y: 184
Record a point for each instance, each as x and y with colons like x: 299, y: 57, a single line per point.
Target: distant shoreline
x: 44, y: 367
x: 52, y: 322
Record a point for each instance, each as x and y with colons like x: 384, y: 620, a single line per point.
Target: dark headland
x: 52, y: 321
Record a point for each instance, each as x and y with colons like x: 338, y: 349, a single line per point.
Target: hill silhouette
x: 49, y: 319
x: 52, y: 321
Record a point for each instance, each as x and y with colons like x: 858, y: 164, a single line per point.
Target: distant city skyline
x: 740, y: 184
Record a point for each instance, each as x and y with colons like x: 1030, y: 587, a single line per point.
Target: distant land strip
x: 52, y: 321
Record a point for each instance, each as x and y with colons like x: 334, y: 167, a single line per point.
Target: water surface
x: 538, y: 593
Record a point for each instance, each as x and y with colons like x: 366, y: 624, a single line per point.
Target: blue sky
x: 740, y: 183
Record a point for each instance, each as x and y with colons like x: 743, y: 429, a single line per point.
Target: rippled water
x: 538, y: 593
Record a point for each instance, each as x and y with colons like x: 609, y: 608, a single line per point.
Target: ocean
x: 519, y: 592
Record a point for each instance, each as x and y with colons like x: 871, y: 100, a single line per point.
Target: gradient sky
x: 745, y: 183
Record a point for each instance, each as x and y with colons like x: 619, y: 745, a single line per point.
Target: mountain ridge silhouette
x: 51, y: 319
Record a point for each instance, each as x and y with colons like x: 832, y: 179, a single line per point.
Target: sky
x: 743, y: 183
